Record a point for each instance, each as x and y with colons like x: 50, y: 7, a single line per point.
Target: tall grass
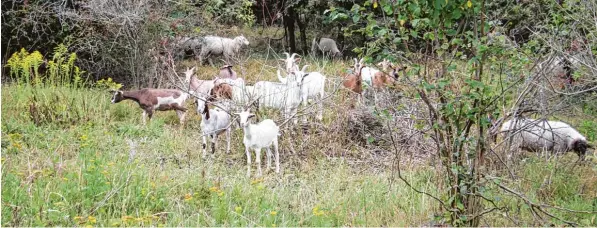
x: 87, y: 162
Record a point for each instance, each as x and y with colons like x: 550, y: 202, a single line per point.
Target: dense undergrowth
x: 70, y: 158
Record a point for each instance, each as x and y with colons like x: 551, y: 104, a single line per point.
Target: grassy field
x: 80, y: 161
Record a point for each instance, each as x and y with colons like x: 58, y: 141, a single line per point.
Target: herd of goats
x: 229, y: 93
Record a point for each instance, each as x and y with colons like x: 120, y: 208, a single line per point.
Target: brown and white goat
x: 354, y: 81
x: 151, y: 100
x: 196, y: 86
x: 227, y: 72
x: 382, y: 79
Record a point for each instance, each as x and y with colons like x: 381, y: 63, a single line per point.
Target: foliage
x: 60, y: 71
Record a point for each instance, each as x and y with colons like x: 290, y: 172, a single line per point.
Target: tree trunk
x: 289, y: 26
x: 303, y: 30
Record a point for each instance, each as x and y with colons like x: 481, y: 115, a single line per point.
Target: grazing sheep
x: 151, y: 100
x: 257, y: 136
x: 213, y: 122
x: 312, y: 85
x: 542, y: 135
x: 227, y: 72
x: 283, y: 96
x: 186, y: 44
x: 214, y: 45
x: 326, y: 46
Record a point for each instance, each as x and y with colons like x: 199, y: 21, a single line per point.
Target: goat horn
x: 287, y: 55
x: 293, y: 54
x: 304, y: 68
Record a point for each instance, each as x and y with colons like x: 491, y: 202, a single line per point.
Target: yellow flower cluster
x: 318, y: 212
x: 217, y: 190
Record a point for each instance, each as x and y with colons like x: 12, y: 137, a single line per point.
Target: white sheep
x: 283, y: 96
x: 185, y: 44
x: 257, y: 136
x: 213, y: 122
x: 327, y: 46
x: 312, y: 86
x: 215, y: 45
x: 542, y: 135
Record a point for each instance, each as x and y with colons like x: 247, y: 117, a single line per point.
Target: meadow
x: 71, y: 158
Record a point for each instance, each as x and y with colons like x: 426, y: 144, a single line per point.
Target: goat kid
x: 213, y: 123
x: 258, y: 136
x: 151, y: 100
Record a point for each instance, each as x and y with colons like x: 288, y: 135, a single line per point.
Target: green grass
x: 72, y: 170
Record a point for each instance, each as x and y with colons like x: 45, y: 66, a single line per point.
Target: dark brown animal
x: 151, y: 100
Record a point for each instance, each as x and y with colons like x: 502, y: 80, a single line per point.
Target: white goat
x: 291, y: 63
x: 257, y: 136
x: 283, y: 96
x: 542, y: 135
x: 312, y: 85
x: 213, y: 122
x: 215, y: 45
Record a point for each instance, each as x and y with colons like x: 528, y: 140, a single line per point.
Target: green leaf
x: 456, y: 41
x: 356, y: 18
x: 388, y: 9
x: 459, y: 205
x: 456, y: 14
x: 429, y: 35
x: 414, y: 33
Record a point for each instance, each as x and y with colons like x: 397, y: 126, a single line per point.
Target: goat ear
x: 297, y: 60
x: 251, y: 115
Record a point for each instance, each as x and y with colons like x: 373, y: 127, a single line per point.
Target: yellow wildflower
x: 220, y: 193
x: 91, y: 219
x: 127, y: 218
x: 238, y: 209
x: 256, y: 181
x: 65, y: 179
x: 318, y: 212
x: 77, y: 218
x: 188, y: 197
x: 213, y: 189
x: 273, y: 212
